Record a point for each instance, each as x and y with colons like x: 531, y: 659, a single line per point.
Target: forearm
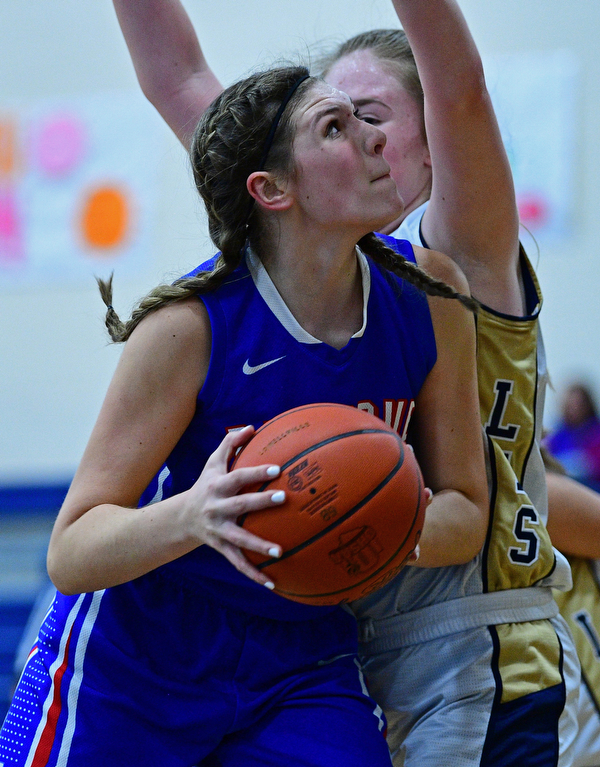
x: 110, y: 544
x: 454, y: 530
x: 573, y: 517
x: 168, y: 61
x: 472, y: 215
x: 447, y: 58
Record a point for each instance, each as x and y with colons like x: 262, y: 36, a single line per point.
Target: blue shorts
x: 153, y: 673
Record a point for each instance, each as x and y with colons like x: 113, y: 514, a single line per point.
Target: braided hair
x: 228, y: 145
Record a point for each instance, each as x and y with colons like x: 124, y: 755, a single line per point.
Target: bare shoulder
x: 186, y: 316
x: 442, y: 267
x: 171, y: 346
x: 182, y: 327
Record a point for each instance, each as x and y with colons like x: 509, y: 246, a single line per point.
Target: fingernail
x: 274, y: 551
x: 273, y: 471
x: 270, y: 585
x: 278, y: 497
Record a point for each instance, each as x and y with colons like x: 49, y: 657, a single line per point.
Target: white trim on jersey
x: 162, y: 478
x: 75, y: 686
x: 272, y: 297
x: 52, y: 673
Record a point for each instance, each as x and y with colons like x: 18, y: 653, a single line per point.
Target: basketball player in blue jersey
x: 163, y: 647
x: 458, y: 192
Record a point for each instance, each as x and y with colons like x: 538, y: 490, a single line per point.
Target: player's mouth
x: 382, y: 177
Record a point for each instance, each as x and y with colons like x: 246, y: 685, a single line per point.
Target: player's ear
x: 269, y: 191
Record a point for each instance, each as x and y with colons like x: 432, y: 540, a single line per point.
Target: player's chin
x: 391, y: 206
x: 382, y: 224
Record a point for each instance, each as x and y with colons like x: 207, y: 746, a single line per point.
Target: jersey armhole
x: 215, y: 376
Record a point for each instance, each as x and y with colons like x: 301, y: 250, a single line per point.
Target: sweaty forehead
x: 323, y: 96
x: 361, y: 74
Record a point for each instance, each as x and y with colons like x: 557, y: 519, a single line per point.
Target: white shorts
x: 443, y: 700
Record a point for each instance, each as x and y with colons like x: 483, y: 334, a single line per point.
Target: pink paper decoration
x: 12, y: 248
x: 533, y: 209
x: 60, y: 145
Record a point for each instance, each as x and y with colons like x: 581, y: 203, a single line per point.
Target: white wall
x: 569, y: 273
x: 55, y: 363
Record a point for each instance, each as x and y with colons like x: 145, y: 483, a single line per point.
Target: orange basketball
x: 354, y: 507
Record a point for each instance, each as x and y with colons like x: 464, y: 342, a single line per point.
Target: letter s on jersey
x: 527, y: 552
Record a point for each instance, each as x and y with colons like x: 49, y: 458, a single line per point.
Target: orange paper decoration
x: 8, y: 142
x: 105, y: 218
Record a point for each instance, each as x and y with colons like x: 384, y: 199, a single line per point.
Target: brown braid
x: 226, y: 148
x: 376, y: 248
x: 162, y: 295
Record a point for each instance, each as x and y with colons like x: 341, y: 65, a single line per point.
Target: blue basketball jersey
x: 263, y: 363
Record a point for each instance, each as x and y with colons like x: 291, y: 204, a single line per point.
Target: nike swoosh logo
x: 249, y: 369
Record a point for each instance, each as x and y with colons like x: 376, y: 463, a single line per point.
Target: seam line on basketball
x: 328, y: 441
x: 349, y: 513
x: 316, y: 446
x: 370, y: 575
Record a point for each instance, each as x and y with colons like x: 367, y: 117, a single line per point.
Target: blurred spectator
x: 576, y: 440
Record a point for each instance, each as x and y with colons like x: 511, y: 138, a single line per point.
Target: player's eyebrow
x: 333, y: 109
x: 366, y: 101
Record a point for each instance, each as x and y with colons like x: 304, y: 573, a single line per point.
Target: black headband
x: 277, y: 119
x: 272, y: 130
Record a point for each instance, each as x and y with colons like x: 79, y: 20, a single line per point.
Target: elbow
x: 477, y: 529
x: 60, y: 575
x: 472, y: 533
x: 469, y: 95
x: 475, y: 79
x: 155, y: 93
x: 55, y: 574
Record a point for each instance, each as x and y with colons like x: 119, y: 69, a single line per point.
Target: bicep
x: 447, y: 435
x: 149, y: 403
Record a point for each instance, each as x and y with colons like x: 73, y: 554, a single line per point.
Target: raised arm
x: 168, y: 61
x: 448, y: 439
x: 100, y: 539
x: 472, y: 215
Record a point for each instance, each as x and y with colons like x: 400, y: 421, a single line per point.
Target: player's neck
x: 322, y: 290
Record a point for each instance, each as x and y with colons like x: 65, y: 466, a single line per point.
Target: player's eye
x: 367, y: 118
x: 333, y: 128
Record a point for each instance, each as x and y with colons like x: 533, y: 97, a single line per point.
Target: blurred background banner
x: 536, y: 95
x: 78, y: 188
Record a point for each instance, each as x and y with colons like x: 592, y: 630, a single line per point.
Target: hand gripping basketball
x: 355, y: 502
